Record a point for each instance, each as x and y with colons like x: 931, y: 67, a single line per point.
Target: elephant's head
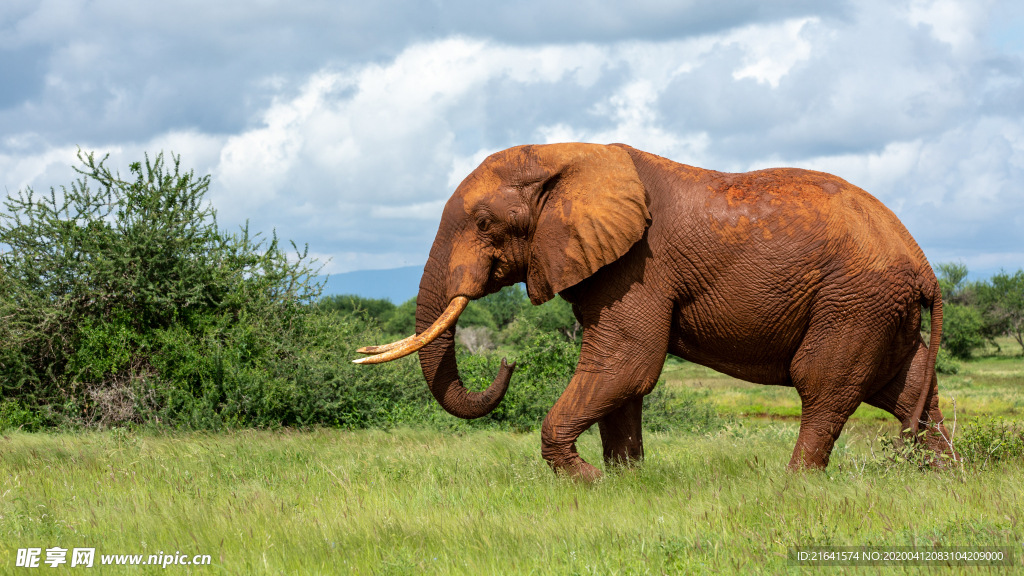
x: 549, y: 215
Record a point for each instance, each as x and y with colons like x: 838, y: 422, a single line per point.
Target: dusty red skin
x: 784, y: 277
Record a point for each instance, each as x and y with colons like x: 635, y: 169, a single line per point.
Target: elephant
x: 784, y: 277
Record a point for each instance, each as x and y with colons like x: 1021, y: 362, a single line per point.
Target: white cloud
x: 635, y: 122
x: 357, y: 154
x: 345, y: 261
x: 771, y: 51
x: 955, y: 22
x: 463, y: 165
x: 424, y: 211
x: 52, y: 166
x: 355, y: 126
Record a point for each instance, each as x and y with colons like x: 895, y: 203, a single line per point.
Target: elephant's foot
x: 936, y: 440
x: 578, y: 469
x: 802, y: 461
x: 564, y: 459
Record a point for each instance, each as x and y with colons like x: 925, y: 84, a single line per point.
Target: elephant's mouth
x: 406, y: 346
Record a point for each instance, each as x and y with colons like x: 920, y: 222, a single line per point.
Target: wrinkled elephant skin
x: 783, y: 277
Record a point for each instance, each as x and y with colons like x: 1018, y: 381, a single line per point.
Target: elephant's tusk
x: 385, y: 347
x: 411, y: 344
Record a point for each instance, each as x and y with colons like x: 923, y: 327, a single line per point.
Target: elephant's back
x: 849, y: 227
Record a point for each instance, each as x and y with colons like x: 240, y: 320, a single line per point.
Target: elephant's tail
x: 932, y: 297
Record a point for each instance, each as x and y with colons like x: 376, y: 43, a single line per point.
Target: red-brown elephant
x: 784, y: 276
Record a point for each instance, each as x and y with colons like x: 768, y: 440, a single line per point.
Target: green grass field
x: 414, y: 501
x: 990, y: 386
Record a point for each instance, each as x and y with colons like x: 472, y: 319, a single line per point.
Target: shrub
x: 544, y: 367
x: 380, y: 309
x: 554, y: 316
x: 990, y: 441
x: 679, y: 410
x: 478, y: 315
x: 91, y: 274
x: 505, y: 305
x: 945, y: 363
x: 403, y: 319
x: 269, y: 373
x: 129, y: 304
x: 14, y: 415
x: 961, y: 330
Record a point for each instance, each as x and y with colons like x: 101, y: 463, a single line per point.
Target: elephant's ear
x: 592, y: 210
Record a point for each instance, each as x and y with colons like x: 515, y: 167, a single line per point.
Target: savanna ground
x: 483, y: 502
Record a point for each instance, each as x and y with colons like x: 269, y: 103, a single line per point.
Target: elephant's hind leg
x: 820, y: 426
x: 832, y: 370
x: 622, y: 433
x: 899, y: 397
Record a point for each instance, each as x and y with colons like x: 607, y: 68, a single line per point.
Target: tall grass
x: 482, y: 502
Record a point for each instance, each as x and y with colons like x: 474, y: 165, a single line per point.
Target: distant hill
x: 395, y: 284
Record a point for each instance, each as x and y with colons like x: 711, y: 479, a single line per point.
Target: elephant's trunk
x: 438, y: 357
x: 435, y: 341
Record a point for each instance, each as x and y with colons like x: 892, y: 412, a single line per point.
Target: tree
x: 1003, y: 298
x: 961, y: 329
x: 964, y: 326
x: 952, y: 276
x: 554, y: 316
x: 380, y: 309
x: 477, y: 314
x: 505, y: 304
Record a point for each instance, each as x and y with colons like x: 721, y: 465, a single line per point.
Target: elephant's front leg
x: 614, y: 373
x: 591, y: 398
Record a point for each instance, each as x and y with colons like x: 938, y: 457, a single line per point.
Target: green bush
x: 129, y: 304
x: 14, y: 415
x: 476, y: 314
x: 380, y: 309
x: 266, y: 373
x: 554, y: 316
x: 544, y: 367
x: 680, y: 410
x: 945, y: 363
x: 990, y: 441
x: 961, y: 330
x: 403, y: 320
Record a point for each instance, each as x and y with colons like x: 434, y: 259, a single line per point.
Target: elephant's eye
x: 483, y: 224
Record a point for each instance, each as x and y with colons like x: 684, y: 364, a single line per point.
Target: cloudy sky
x: 346, y: 125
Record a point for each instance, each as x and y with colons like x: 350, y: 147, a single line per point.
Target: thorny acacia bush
x: 126, y: 303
